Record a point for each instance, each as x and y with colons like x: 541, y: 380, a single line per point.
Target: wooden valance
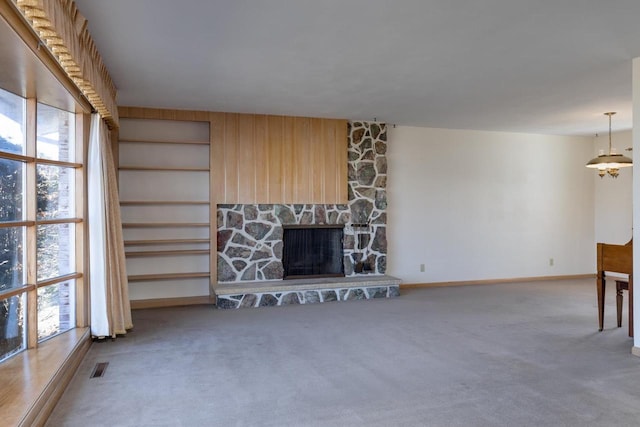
x: 63, y: 30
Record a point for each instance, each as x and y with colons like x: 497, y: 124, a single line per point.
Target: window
x: 12, y: 228
x: 12, y: 123
x: 39, y: 224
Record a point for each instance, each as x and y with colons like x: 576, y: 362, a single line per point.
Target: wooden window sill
x: 34, y: 380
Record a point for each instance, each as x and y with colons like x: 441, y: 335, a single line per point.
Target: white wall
x: 613, y: 197
x: 476, y: 205
x: 636, y: 196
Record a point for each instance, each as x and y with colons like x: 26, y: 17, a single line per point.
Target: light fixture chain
x: 610, y: 114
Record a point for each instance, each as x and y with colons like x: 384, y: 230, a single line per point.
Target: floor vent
x: 98, y: 370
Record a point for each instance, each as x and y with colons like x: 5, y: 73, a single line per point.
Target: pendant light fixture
x: 612, y: 162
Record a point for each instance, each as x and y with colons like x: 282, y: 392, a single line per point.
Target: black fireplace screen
x: 312, y: 251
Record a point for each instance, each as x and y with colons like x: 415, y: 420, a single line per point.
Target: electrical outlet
x: 421, y: 268
x: 551, y: 262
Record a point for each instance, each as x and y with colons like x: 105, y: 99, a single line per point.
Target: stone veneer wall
x: 250, y: 236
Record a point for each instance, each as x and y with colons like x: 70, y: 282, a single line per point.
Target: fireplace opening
x: 312, y: 251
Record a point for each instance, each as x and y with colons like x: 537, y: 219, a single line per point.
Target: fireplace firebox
x: 312, y: 251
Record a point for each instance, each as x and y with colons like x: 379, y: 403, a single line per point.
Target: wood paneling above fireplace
x: 267, y: 159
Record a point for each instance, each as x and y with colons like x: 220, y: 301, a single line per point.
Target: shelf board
x: 165, y: 242
x: 161, y: 169
x: 139, y: 254
x: 161, y: 202
x: 164, y: 224
x: 146, y: 141
x: 166, y: 276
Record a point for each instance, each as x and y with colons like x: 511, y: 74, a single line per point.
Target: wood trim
x: 59, y: 279
x: 171, y: 302
x: 126, y: 112
x: 31, y: 231
x: 145, y: 141
x: 50, y: 162
x: 16, y: 157
x: 342, y: 146
x: 140, y: 254
x: 217, y: 183
x: 16, y: 21
x: 165, y: 242
x: 63, y: 30
x: 9, y: 224
x: 8, y: 293
x: 161, y: 169
x: 167, y: 276
x: 83, y: 123
x: 160, y: 202
x: 49, y: 398
x: 34, y: 380
x: 164, y: 224
x: 59, y: 221
x: 32, y: 318
x: 216, y: 192
x: 496, y: 281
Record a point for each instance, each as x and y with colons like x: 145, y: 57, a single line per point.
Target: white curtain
x: 97, y: 233
x: 109, y: 295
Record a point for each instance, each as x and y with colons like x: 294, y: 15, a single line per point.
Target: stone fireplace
x: 250, y: 236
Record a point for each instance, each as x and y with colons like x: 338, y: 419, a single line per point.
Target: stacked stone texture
x: 367, y: 182
x: 314, y: 296
x: 250, y: 236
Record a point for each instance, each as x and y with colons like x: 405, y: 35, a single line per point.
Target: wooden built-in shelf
x: 161, y: 169
x: 146, y: 141
x: 166, y: 276
x: 164, y: 224
x: 139, y: 254
x: 161, y: 202
x: 165, y: 242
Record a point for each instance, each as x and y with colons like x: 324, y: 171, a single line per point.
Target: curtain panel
x: 110, y: 307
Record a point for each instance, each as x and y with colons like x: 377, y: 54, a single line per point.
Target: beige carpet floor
x: 525, y: 354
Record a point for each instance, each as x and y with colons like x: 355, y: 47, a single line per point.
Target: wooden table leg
x: 619, y: 303
x: 631, y: 305
x: 600, y: 286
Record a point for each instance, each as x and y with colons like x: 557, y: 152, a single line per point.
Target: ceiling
x: 546, y: 66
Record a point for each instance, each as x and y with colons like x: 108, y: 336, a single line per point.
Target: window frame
x: 30, y: 222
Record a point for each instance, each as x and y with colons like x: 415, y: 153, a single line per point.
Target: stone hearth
x: 306, y: 291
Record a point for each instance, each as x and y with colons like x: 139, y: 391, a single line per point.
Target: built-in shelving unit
x: 163, y: 224
x: 167, y: 276
x: 161, y: 202
x: 144, y: 141
x: 165, y: 242
x: 164, y: 191
x: 138, y: 254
